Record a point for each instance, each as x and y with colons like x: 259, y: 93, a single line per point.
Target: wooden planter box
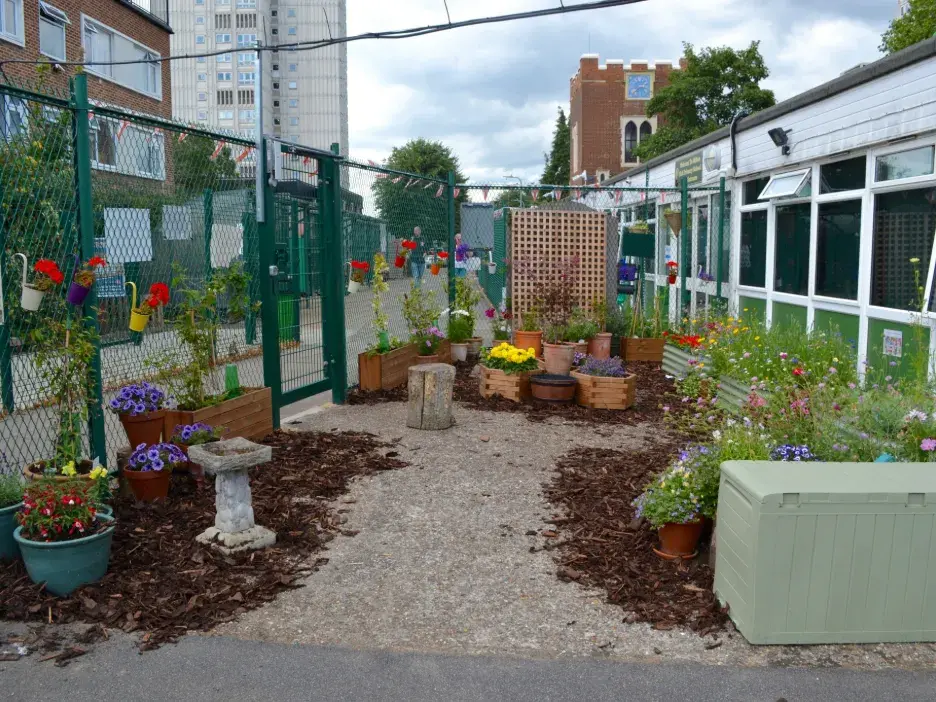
x: 249, y: 416
x: 385, y: 371
x: 514, y: 386
x: 635, y: 349
x: 605, y: 393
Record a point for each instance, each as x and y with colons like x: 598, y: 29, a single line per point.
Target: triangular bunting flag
x: 218, y: 149
x: 643, y: 195
x: 182, y: 136
x: 123, y: 127
x: 156, y: 132
x: 306, y: 160
x: 440, y: 191
x: 457, y: 192
x: 662, y: 196
x: 557, y: 194
x: 427, y: 185
x: 409, y: 183
x: 243, y: 154
x: 576, y: 193
x: 90, y: 115
x: 535, y: 193
x: 617, y: 197
x: 484, y: 191
x: 397, y: 179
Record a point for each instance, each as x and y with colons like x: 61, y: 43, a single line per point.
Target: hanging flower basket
x: 47, y: 274
x: 492, y: 268
x: 84, y: 278
x: 140, y: 316
x: 359, y: 270
x: 435, y: 268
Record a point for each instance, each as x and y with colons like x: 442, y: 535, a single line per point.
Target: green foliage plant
x: 420, y: 310
x: 581, y: 326
x: 467, y: 297
x: 917, y: 24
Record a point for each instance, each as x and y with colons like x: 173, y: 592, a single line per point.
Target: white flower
x: 716, y: 435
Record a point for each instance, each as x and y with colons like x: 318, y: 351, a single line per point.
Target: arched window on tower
x: 646, y: 129
x: 630, y: 142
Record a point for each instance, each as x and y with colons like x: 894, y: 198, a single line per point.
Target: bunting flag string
x: 409, y: 183
x: 440, y: 191
x: 484, y: 191
x: 662, y: 196
x: 182, y: 136
x: 306, y: 160
x: 457, y: 192
x: 557, y: 194
x: 535, y: 193
x: 576, y: 193
x: 243, y: 154
x: 218, y: 149
x: 397, y: 179
x: 123, y: 127
x: 427, y: 185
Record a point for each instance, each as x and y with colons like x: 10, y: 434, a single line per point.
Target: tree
x: 194, y: 169
x: 716, y: 84
x: 558, y: 167
x: 405, y: 203
x: 915, y: 25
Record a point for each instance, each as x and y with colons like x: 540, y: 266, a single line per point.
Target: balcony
x: 155, y: 10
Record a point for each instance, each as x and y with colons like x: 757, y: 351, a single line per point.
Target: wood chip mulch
x: 162, y: 583
x: 603, y: 546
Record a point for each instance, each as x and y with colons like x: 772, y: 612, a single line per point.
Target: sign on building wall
x: 893, y: 343
x: 689, y: 167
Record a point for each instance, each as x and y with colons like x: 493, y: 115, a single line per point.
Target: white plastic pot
x: 459, y: 352
x: 31, y: 298
x: 492, y: 268
x: 353, y: 286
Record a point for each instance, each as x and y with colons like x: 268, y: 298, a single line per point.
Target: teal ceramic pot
x: 106, y: 510
x: 8, y: 549
x: 64, y: 566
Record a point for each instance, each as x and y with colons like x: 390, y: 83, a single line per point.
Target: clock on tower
x: 639, y: 86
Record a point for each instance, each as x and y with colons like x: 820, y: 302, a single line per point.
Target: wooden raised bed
x: 636, y: 349
x: 514, y: 386
x: 605, y: 393
x: 249, y: 416
x: 384, y: 371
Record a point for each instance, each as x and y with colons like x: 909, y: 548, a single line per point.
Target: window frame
x: 219, y: 37
x: 17, y: 36
x: 61, y: 22
x: 896, y: 149
x: 92, y: 25
x: 789, y: 195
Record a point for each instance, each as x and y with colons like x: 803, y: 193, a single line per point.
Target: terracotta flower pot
x: 148, y: 485
x: 529, y: 340
x: 553, y: 388
x: 424, y: 360
x: 579, y: 346
x: 600, y: 346
x: 459, y: 351
x: 35, y: 471
x: 145, y: 428
x: 558, y: 358
x: 680, y: 540
x: 435, y: 268
x: 474, y: 347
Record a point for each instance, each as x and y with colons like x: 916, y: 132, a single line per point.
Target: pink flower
x: 928, y: 445
x: 489, y: 313
x: 783, y: 355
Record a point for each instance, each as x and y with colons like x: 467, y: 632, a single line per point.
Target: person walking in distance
x: 461, y: 257
x: 418, y: 257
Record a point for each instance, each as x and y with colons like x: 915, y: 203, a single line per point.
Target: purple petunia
x: 156, y: 457
x: 134, y: 400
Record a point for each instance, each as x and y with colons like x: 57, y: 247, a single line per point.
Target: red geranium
x: 47, y: 274
x: 85, y: 275
x: 96, y: 261
x: 672, y: 265
x: 798, y: 371
x: 408, y: 245
x: 443, y: 255
x: 158, y: 296
x: 360, y: 265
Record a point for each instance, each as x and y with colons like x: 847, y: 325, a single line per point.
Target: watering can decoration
x: 138, y: 319
x: 47, y: 275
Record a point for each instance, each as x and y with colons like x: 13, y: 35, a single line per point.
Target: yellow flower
x: 745, y: 309
x: 69, y: 469
x: 914, y: 260
x: 735, y: 331
x: 835, y: 360
x: 701, y: 365
x: 98, y: 473
x: 756, y: 338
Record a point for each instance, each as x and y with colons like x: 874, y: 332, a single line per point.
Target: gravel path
x: 442, y: 560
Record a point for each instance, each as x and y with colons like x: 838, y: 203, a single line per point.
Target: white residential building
x: 305, y: 92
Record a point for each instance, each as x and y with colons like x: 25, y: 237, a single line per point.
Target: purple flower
x: 928, y: 445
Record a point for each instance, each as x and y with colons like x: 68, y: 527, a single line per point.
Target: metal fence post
x: 82, y: 151
x: 686, y: 254
x: 208, y: 207
x: 6, y: 361
x: 333, y: 308
x: 721, y: 235
x: 269, y: 307
x: 450, y: 263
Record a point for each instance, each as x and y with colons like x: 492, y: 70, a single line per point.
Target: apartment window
x: 293, y: 121
x: 200, y: 20
x: 202, y: 97
x: 223, y: 21
x: 102, y: 44
x: 293, y: 102
x: 276, y: 121
x: 904, y: 224
x: 247, y: 57
x: 201, y: 59
x: 103, y: 144
x: 246, y: 3
x: 291, y: 12
x: 223, y: 38
x: 223, y: 2
x: 225, y: 97
x: 246, y: 21
x: 791, y: 249
x: 293, y: 67
x: 246, y: 40
x: 202, y: 115
x: 904, y: 164
x: 293, y: 85
x: 12, y: 117
x: 247, y: 115
x: 276, y: 85
x: 275, y: 66
x: 275, y: 31
x: 245, y: 97
x: 199, y: 2
x: 199, y: 38
x: 247, y: 77
x: 754, y: 248
x: 842, y: 175
x: 273, y: 13
x: 145, y: 157
x: 225, y: 114
x: 292, y: 31
x: 223, y: 58
x: 202, y: 76
x: 224, y: 75
x: 276, y: 103
x: 838, y: 247
x: 52, y: 22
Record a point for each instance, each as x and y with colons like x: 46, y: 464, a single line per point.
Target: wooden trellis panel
x: 541, y: 237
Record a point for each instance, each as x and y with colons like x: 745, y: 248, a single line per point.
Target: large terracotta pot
x: 680, y: 540
x: 553, y: 388
x: 579, y: 346
x: 148, y: 485
x: 424, y: 360
x: 145, y: 428
x: 600, y: 346
x: 36, y: 471
x: 558, y: 358
x: 529, y: 340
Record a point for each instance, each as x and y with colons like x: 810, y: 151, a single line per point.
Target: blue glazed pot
x: 8, y: 549
x: 106, y: 510
x: 64, y: 566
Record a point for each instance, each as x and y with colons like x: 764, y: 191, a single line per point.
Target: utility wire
x: 392, y: 34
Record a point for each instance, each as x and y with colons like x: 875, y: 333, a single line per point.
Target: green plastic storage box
x: 812, y: 553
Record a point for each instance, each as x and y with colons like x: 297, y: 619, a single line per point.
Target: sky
x: 491, y: 93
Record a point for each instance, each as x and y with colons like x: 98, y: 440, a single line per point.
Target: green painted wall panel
x: 915, y: 340
x: 846, y: 324
x: 750, y: 308
x: 787, y: 315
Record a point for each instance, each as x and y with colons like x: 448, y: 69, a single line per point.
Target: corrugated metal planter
x: 828, y: 553
x: 676, y: 360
